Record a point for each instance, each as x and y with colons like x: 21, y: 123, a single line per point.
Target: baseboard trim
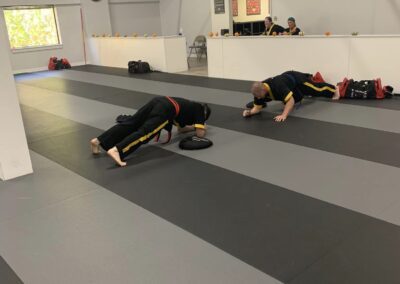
x: 43, y: 68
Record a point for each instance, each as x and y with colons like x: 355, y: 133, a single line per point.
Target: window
x: 31, y: 26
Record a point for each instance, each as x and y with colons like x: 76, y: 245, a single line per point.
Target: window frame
x: 39, y: 47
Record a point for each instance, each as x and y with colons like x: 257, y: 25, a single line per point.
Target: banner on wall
x: 253, y: 7
x: 235, y: 10
x: 219, y: 6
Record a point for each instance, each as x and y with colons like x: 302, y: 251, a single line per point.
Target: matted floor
x: 313, y: 200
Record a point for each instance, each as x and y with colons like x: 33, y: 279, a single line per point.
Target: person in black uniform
x: 160, y: 113
x: 271, y: 28
x: 290, y: 88
x: 292, y: 29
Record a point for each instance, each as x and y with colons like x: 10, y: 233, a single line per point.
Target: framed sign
x: 253, y: 7
x: 219, y: 6
x: 235, y: 9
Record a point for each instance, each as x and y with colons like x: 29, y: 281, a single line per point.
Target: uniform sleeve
x: 297, y: 32
x: 199, y: 117
x: 287, y: 95
x: 284, y: 93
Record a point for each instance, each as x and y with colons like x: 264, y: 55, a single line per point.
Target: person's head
x: 268, y: 22
x: 258, y: 90
x: 291, y: 22
x: 207, y: 111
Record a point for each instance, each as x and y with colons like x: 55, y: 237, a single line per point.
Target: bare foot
x: 114, y: 154
x: 94, y: 145
x: 336, y: 96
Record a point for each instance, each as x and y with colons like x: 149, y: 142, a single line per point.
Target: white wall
x: 170, y: 12
x: 195, y: 19
x: 130, y: 17
x: 387, y: 17
x: 193, y: 16
x: 72, y: 43
x: 37, y: 2
x: 242, y: 12
x: 340, y: 16
x: 221, y: 21
x: 96, y: 17
x: 14, y: 154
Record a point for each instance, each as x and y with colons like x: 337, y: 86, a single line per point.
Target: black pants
x: 313, y: 89
x: 147, y: 122
x: 309, y: 88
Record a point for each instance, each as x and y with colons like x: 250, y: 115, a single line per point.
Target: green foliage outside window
x: 31, y: 27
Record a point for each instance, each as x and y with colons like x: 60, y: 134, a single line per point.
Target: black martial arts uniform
x: 158, y: 114
x: 273, y: 29
x: 295, y: 32
x: 293, y: 84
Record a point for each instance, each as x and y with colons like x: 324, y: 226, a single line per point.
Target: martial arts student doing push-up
x: 290, y: 88
x: 160, y: 113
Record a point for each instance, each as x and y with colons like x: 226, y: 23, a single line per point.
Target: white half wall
x: 14, y: 154
x: 340, y: 17
x: 128, y: 17
x: 335, y: 57
x: 166, y: 54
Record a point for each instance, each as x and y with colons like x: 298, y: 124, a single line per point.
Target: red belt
x: 175, y: 104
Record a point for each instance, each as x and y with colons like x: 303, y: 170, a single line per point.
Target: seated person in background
x: 292, y: 29
x: 160, y: 113
x: 271, y: 28
x: 290, y: 88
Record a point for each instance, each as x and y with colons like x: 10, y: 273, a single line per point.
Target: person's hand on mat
x: 280, y: 118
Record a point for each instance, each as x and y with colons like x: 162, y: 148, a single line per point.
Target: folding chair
x: 199, y: 46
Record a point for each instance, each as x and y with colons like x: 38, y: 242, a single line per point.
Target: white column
x: 14, y: 154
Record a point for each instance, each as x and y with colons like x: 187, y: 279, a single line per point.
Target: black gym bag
x: 138, y: 67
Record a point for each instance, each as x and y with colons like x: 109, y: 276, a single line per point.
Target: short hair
x: 291, y: 19
x: 269, y: 19
x: 257, y: 88
x: 207, y: 111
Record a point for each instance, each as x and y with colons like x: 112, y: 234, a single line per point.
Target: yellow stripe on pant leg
x: 319, y: 89
x: 144, y: 137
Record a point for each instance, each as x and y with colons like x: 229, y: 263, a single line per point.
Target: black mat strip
x: 280, y: 232
x: 7, y: 275
x: 206, y: 82
x: 222, y: 84
x: 362, y: 143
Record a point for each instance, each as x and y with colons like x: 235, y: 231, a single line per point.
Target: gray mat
x: 7, y: 275
x: 363, y: 143
x: 217, y: 83
x: 207, y: 82
x: 282, y: 233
